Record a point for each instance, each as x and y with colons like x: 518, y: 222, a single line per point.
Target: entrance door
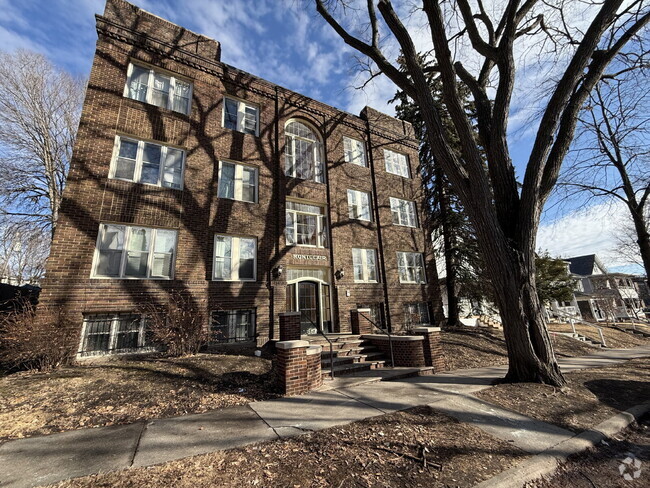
x: 308, y: 306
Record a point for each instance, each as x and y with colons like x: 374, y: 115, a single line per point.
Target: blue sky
x: 286, y: 43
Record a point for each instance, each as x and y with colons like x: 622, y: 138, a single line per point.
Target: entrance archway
x: 312, y: 298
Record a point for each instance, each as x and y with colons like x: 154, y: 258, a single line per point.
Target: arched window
x: 303, y: 153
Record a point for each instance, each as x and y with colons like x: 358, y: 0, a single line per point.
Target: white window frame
x: 409, y: 207
x: 322, y: 242
x: 355, y: 205
x: 172, y: 87
x: 406, y: 260
x: 235, y: 250
x: 319, y: 158
x: 112, y: 341
x: 396, y: 165
x: 354, y: 151
x: 241, y: 115
x: 127, y: 229
x: 364, y: 265
x: 137, y: 173
x: 239, y: 181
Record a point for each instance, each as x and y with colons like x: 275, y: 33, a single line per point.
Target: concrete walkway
x: 48, y: 459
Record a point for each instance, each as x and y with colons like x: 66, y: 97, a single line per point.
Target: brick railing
x: 432, y: 347
x: 290, y: 326
x: 407, y: 350
x: 360, y: 321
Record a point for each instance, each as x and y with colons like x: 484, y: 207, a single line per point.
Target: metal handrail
x: 387, y: 332
x: 573, y: 321
x: 320, y: 330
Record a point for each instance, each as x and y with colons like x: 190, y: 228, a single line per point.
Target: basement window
x: 417, y: 314
x: 113, y: 334
x: 230, y: 326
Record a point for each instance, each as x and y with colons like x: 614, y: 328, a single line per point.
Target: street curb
x: 545, y: 463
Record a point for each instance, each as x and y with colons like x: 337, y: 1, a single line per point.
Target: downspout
x: 371, y: 162
x: 334, y: 295
x: 276, y: 193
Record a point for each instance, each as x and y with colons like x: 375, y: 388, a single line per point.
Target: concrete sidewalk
x: 47, y: 459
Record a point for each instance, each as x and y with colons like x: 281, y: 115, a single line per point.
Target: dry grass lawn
x: 385, y: 451
x: 125, y: 390
x: 590, y: 396
x: 473, y: 347
x: 614, y: 338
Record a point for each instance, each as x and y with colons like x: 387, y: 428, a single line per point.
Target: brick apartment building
x: 192, y: 176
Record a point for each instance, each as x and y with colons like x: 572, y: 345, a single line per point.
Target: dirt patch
x: 614, y: 338
x: 590, y: 397
x: 386, y: 451
x: 121, y: 391
x: 471, y: 347
x: 601, y: 466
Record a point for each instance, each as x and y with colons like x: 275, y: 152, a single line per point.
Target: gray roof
x: 582, y: 265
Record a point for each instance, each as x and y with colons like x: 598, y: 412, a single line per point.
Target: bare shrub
x: 178, y: 325
x: 36, y: 340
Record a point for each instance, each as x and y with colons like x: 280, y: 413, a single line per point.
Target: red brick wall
x: 195, y: 212
x: 290, y: 326
x: 298, y: 367
x: 408, y: 353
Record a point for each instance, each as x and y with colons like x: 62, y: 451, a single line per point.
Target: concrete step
x: 338, y: 346
x: 352, y: 368
x: 325, y: 360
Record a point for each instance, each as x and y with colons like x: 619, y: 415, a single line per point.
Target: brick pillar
x: 314, y: 373
x: 292, y: 368
x: 360, y: 323
x: 432, y: 347
x: 290, y: 326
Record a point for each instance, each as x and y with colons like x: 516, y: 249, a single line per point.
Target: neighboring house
x: 191, y: 175
x: 601, y: 295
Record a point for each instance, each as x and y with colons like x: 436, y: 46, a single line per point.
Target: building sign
x: 310, y: 257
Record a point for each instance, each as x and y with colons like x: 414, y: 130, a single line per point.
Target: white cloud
x: 588, y: 231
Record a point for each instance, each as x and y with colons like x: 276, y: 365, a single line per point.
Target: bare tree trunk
x: 448, y: 243
x: 643, y: 240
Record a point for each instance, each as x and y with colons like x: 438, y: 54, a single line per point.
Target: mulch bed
x: 386, y: 451
x: 125, y: 390
x: 590, y: 396
x: 601, y: 466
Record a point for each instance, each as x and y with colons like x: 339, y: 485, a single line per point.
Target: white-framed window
x: 303, y: 152
x: 403, y: 212
x: 397, y: 163
x: 157, y: 88
x: 306, y: 225
x: 417, y: 314
x: 364, y: 262
x: 113, y: 333
x: 359, y: 205
x: 130, y: 251
x: 229, y: 326
x: 235, y: 258
x: 354, y: 151
x: 237, y: 182
x: 411, y: 267
x: 241, y: 116
x: 147, y: 162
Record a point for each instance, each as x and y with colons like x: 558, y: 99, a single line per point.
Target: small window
x: 354, y: 152
x: 235, y: 258
x: 359, y: 206
x: 303, y: 153
x: 365, y: 265
x: 229, y: 326
x: 403, y: 212
x: 397, y: 163
x: 237, y: 182
x: 113, y: 333
x: 134, y: 252
x: 417, y: 314
x: 306, y: 225
x: 411, y: 267
x: 147, y: 162
x: 159, y: 89
x: 240, y: 116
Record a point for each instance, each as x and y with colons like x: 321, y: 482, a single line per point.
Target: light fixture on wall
x: 277, y: 271
x: 339, y: 274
